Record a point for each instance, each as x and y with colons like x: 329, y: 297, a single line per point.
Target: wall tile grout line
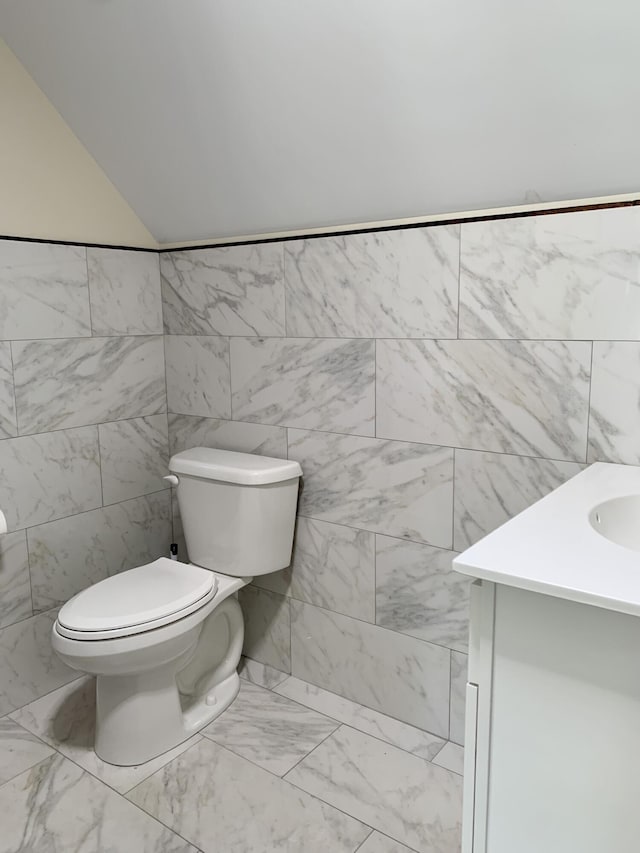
x: 586, y: 454
x: 460, y: 233
x: 368, y: 337
x: 481, y: 481
x: 361, y: 621
x: 359, y: 435
x: 98, y: 423
x: 92, y: 509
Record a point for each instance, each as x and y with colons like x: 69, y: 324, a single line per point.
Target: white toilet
x: 165, y: 639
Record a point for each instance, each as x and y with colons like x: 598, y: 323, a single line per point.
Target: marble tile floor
x: 288, y: 767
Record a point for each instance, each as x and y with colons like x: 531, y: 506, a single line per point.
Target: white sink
x: 581, y: 542
x: 618, y: 520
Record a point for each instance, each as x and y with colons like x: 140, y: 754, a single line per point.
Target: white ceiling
x: 227, y: 117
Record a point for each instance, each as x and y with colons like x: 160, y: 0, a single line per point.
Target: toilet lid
x: 138, y: 596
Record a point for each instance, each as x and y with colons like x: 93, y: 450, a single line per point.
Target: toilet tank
x: 238, y: 510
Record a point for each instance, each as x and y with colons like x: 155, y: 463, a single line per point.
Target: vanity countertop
x: 552, y: 548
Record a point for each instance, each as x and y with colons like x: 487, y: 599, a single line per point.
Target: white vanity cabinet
x: 552, y: 751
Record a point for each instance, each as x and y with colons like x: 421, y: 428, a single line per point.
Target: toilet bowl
x: 165, y: 639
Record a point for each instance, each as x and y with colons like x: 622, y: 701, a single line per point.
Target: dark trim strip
x: 490, y: 217
x: 78, y: 243
x: 431, y: 224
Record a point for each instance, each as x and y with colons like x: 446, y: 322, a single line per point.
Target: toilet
x: 165, y: 639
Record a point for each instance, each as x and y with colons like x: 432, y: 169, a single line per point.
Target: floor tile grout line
x: 56, y: 748
x: 49, y: 692
x: 331, y: 805
x: 211, y: 737
x: 338, y: 726
x: 366, y: 708
x: 450, y: 688
x: 197, y: 737
x: 28, y: 769
x: 391, y: 838
x: 155, y: 817
x: 253, y: 763
x: 110, y: 788
x: 340, y: 723
x: 201, y: 736
x: 440, y: 748
x: 364, y: 841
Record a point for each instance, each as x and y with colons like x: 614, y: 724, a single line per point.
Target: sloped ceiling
x: 216, y: 118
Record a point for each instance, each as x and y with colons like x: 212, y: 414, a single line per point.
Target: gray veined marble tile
x: 614, y: 419
x: 69, y: 382
x: 270, y: 730
x: 418, y: 593
x: 401, y: 795
x: 304, y: 382
x: 451, y: 756
x: 332, y: 566
x: 124, y: 288
x: 493, y: 487
x: 73, y: 553
x: 395, y: 732
x: 378, y: 843
x: 525, y: 397
x: 389, y: 672
x: 15, y: 586
x: 260, y: 673
x: 236, y: 290
x: 43, y: 291
x: 570, y: 275
x: 47, y: 476
x: 66, y: 719
x: 57, y: 807
x: 134, y: 455
x: 198, y: 380
x: 222, y: 802
x: 187, y: 431
x: 458, y: 696
x: 8, y: 425
x: 29, y: 668
x: 391, y: 487
x: 267, y: 627
x: 385, y: 284
x: 19, y: 750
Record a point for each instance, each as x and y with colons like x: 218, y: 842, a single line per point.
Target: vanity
x: 552, y: 751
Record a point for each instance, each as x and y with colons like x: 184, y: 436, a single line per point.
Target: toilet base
x: 141, y: 715
x: 136, y: 722
x: 156, y: 689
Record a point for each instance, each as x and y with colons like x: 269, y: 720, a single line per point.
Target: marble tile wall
x: 432, y: 382
x: 83, y: 439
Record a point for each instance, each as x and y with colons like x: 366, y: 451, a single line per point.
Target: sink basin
x: 580, y: 542
x: 618, y: 520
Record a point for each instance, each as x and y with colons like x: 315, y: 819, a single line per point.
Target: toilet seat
x: 137, y: 601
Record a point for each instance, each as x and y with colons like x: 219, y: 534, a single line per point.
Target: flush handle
x: 3, y: 523
x: 171, y: 479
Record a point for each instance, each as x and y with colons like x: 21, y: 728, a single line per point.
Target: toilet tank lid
x: 227, y: 466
